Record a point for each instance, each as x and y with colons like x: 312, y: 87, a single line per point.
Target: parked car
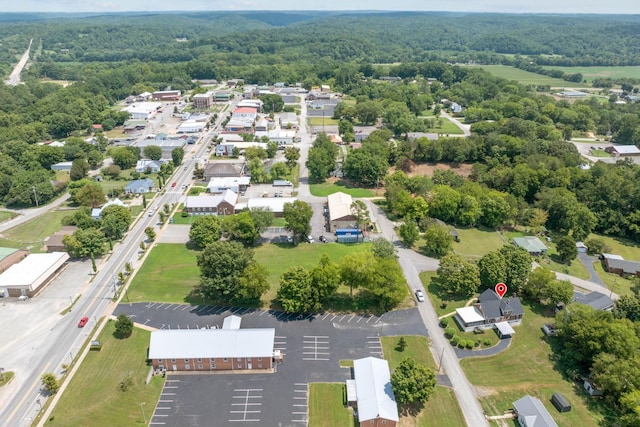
x: 83, y: 322
x: 323, y: 239
x: 419, y: 295
x: 289, y: 239
x: 310, y: 239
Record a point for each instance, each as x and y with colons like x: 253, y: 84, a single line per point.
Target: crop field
x: 525, y: 77
x: 592, y: 73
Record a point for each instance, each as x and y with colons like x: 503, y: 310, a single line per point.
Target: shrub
x: 449, y: 332
x: 125, y: 383
x: 470, y: 344
x: 477, y: 344
x: 462, y: 343
x: 455, y: 339
x: 444, y: 322
x: 124, y: 326
x: 487, y: 342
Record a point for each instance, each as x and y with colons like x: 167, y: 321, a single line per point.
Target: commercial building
x: 221, y: 204
x: 273, y: 204
x: 142, y: 110
x: 28, y: 276
x: 373, y: 393
x: 166, y: 95
x: 219, y: 185
x: 340, y: 215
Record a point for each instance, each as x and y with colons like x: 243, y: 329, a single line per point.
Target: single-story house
x: 54, y: 243
x: 623, y: 150
x: 340, y: 215
x: 530, y: 412
x: 139, y: 186
x: 489, y: 310
x: 373, y: 393
x: 532, y: 244
x: 148, y: 166
x: 595, y: 300
x: 223, y: 170
x: 96, y: 212
x: 62, y: 166
x: 581, y: 247
x: 273, y: 204
x: 220, y: 185
x: 618, y: 265
x: 28, y: 276
x: 212, y: 349
x: 221, y: 204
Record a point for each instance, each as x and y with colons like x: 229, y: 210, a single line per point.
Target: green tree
x: 567, y: 250
x: 492, y: 268
x: 153, y: 152
x: 539, y: 280
x: 295, y: 291
x: 297, y: 216
x: 124, y: 157
x: 177, y: 155
x: 115, y: 221
x: 272, y: 149
x: 262, y: 218
x: 444, y: 203
x: 367, y: 112
x: 279, y: 170
x: 322, y: 158
x: 292, y: 154
x: 255, y: 152
x: 205, y: 229
x: 356, y: 269
x: 257, y: 171
x: 558, y: 291
x: 325, y: 279
x: 412, y: 383
x: 124, y: 326
x: 79, y: 169
x: 253, y: 283
x: 518, y: 266
x: 386, y: 286
x: 382, y: 248
x: 50, y: 383
x: 151, y: 233
x: 222, y: 264
x: 272, y: 103
x: 439, y: 241
x: 84, y: 243
x: 360, y: 211
x: 457, y: 276
x: 91, y: 195
x: 240, y: 227
x: 627, y: 307
x: 409, y: 232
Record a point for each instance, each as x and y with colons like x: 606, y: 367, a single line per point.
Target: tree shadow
x: 411, y: 410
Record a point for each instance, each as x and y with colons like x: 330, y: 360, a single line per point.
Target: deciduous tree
x: 457, y: 276
x: 412, y: 382
x: 297, y: 216
x: 205, y: 229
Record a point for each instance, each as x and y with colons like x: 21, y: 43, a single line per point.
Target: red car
x: 173, y: 185
x: 83, y: 322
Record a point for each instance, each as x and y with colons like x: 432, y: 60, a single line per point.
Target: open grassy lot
x: 417, y: 348
x: 626, y: 248
x: 94, y: 393
x: 168, y: 275
x: 599, y: 153
x: 476, y: 242
x: 31, y: 234
x: 5, y: 216
x: 327, y: 406
x: 446, y: 127
x: 619, y: 285
x: 322, y: 121
x: 442, y: 303
x: 526, y: 77
x: 326, y: 188
x: 525, y: 368
x: 591, y: 73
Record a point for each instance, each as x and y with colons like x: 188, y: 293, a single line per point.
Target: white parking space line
x: 246, y: 399
x: 177, y: 307
x: 300, y: 396
x: 170, y: 305
x: 158, y: 307
x: 316, y: 344
x: 185, y: 307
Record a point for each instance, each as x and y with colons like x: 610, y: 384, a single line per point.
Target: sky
x: 506, y: 6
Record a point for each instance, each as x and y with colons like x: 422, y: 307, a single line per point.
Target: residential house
x: 96, y: 212
x: 220, y: 204
x: 54, y: 242
x: 618, y: 265
x: 340, y: 215
x: 139, y: 186
x: 532, y: 244
x: 222, y: 170
x: 62, y: 166
x: 148, y: 166
x: 490, y: 310
x: 224, y: 150
x: 373, y: 393
x: 530, y: 412
x: 595, y: 300
x: 203, y: 350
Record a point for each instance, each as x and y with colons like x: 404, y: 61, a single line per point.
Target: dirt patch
x: 462, y: 169
x: 484, y: 392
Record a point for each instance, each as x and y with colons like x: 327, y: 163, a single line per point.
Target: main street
x: 63, y: 341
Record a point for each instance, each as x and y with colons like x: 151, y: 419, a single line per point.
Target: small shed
x: 560, y: 402
x: 504, y: 330
x: 582, y: 248
x: 591, y: 388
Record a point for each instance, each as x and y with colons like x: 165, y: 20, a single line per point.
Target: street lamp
x: 144, y: 416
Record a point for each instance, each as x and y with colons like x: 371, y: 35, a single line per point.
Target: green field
x: 447, y: 128
x: 5, y: 216
x: 322, y: 121
x: 417, y: 348
x: 476, y: 242
x: 6, y: 378
x: 327, y: 406
x: 442, y: 303
x: 326, y: 188
x: 31, y: 234
x: 526, y: 368
x: 591, y: 73
x: 94, y: 394
x: 526, y: 77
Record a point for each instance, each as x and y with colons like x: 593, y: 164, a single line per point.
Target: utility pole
x: 35, y: 194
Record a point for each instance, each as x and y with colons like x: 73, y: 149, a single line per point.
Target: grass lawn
x: 94, y: 393
x: 417, y: 348
x: 591, y: 73
x: 6, y: 378
x: 442, y: 303
x: 599, y: 153
x: 526, y: 77
x: 327, y: 406
x: 5, y: 216
x: 31, y: 234
x: 326, y: 188
x: 626, y: 248
x: 619, y: 285
x: 168, y: 275
x: 279, y: 222
x: 476, y: 242
x: 448, y: 127
x: 318, y: 121
x: 525, y: 368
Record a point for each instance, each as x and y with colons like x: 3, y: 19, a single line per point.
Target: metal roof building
x: 531, y: 243
x: 532, y: 413
x: 373, y: 389
x: 27, y: 276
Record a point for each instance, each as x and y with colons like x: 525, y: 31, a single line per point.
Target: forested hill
x: 375, y: 37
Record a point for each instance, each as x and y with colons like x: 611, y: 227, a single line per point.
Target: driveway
x: 502, y: 345
x: 587, y: 261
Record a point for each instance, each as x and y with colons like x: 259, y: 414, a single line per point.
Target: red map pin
x: 501, y: 289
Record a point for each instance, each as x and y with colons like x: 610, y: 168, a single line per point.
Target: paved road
x: 502, y: 345
x: 587, y: 261
x: 14, y: 78
x: 31, y: 213
x: 464, y: 128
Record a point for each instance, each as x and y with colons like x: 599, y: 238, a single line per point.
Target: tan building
x: 212, y: 349
x: 54, y: 244
x: 340, y: 215
x: 28, y: 276
x: 166, y: 95
x: 203, y: 100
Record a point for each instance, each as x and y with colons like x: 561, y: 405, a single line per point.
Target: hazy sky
x: 516, y: 6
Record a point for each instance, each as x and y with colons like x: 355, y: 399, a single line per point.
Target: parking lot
x: 312, y: 345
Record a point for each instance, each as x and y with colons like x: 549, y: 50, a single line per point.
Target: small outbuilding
x: 560, y: 402
x: 504, y: 330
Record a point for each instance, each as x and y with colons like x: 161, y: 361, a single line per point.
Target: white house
x: 374, y: 394
x: 147, y: 165
x: 96, y: 212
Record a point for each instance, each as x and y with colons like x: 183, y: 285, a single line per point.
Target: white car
x: 419, y: 295
x: 310, y: 239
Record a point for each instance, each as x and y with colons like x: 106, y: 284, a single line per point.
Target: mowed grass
x: 525, y: 368
x: 526, y: 77
x: 447, y: 127
x: 326, y: 188
x: 322, y: 121
x: 442, y: 303
x: 169, y: 274
x: 93, y: 396
x: 591, y: 73
x: 476, y: 242
x: 442, y: 407
x: 31, y: 234
x: 327, y: 406
x: 6, y: 216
